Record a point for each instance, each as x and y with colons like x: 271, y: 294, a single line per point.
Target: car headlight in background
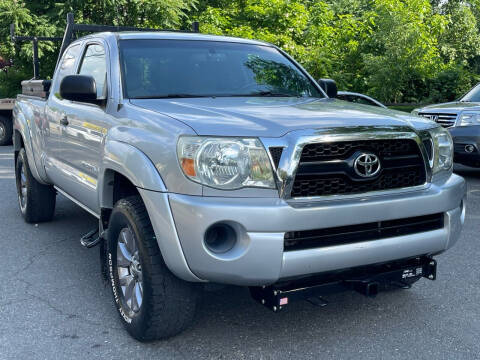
x: 467, y: 119
x: 225, y: 163
x: 443, y: 150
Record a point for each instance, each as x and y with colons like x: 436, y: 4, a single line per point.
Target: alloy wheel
x: 129, y: 270
x: 22, y: 191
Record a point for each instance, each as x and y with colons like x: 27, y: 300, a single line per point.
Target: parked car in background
x: 359, y: 98
x: 6, y: 125
x: 462, y: 119
x: 330, y: 87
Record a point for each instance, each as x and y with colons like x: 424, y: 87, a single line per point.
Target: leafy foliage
x: 394, y: 50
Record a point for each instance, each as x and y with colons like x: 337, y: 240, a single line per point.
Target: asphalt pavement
x: 54, y: 304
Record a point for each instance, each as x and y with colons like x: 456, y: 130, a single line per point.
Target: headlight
x: 467, y: 119
x: 443, y: 150
x: 225, y: 163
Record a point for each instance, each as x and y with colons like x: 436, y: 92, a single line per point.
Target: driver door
x: 83, y: 130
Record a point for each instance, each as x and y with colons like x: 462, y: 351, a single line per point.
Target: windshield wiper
x: 176, y: 96
x: 171, y: 96
x: 272, y: 93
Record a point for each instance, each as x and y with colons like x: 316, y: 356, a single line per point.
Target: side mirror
x: 329, y: 86
x: 78, y: 88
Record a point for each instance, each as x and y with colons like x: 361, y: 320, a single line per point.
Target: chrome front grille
x: 326, y: 168
x: 314, y: 163
x: 446, y: 120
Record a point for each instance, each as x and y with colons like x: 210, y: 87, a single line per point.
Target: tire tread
x: 41, y: 198
x: 171, y: 308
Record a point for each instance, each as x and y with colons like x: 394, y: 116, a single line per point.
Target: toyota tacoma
x: 219, y: 159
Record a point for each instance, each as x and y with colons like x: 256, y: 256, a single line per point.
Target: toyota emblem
x: 367, y: 165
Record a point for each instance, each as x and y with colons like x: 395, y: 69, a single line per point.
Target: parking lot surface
x: 54, y: 304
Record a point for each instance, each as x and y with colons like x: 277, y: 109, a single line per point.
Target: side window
x: 66, y: 66
x: 94, y: 63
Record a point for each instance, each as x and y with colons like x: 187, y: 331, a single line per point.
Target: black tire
x: 36, y: 201
x: 6, y: 131
x: 168, y: 303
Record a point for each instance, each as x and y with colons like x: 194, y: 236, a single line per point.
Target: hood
x: 453, y: 107
x: 274, y: 117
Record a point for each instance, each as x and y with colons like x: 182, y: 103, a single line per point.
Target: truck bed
x: 38, y: 88
x: 7, y: 104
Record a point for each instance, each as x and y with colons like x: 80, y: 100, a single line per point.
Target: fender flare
x: 21, y: 133
x: 130, y: 162
x: 133, y: 164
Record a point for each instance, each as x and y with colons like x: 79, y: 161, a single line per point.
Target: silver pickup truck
x: 218, y: 159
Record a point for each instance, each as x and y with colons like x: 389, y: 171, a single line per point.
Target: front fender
x: 131, y: 163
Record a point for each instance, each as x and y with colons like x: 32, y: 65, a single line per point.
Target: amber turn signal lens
x: 188, y: 167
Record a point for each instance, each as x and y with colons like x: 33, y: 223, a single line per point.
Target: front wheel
x: 152, y: 303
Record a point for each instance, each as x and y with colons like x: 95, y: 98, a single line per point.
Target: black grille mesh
x: 313, y: 186
x: 402, y: 166
x: 341, y: 150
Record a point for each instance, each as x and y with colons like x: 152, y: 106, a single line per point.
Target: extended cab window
x: 66, y: 66
x: 189, y: 68
x: 94, y: 64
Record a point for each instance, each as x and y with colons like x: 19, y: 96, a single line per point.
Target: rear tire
x: 6, y: 131
x: 36, y: 201
x: 152, y: 303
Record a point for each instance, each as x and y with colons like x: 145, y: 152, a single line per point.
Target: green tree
x: 48, y: 17
x: 395, y: 50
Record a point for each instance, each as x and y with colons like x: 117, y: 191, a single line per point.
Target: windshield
x: 189, y: 68
x: 473, y: 95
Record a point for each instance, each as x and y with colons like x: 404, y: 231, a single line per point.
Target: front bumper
x: 258, y: 258
x: 466, y: 141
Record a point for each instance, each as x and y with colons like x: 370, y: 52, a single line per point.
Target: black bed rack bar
x: 34, y: 40
x: 69, y: 36
x: 72, y: 28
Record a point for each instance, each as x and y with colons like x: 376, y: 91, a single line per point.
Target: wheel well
x: 17, y: 143
x: 116, y: 187
x: 122, y: 187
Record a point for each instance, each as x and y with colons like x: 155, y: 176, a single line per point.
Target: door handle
x: 64, y: 121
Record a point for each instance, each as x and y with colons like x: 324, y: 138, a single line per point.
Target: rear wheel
x: 36, y: 201
x: 152, y: 302
x: 6, y: 131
